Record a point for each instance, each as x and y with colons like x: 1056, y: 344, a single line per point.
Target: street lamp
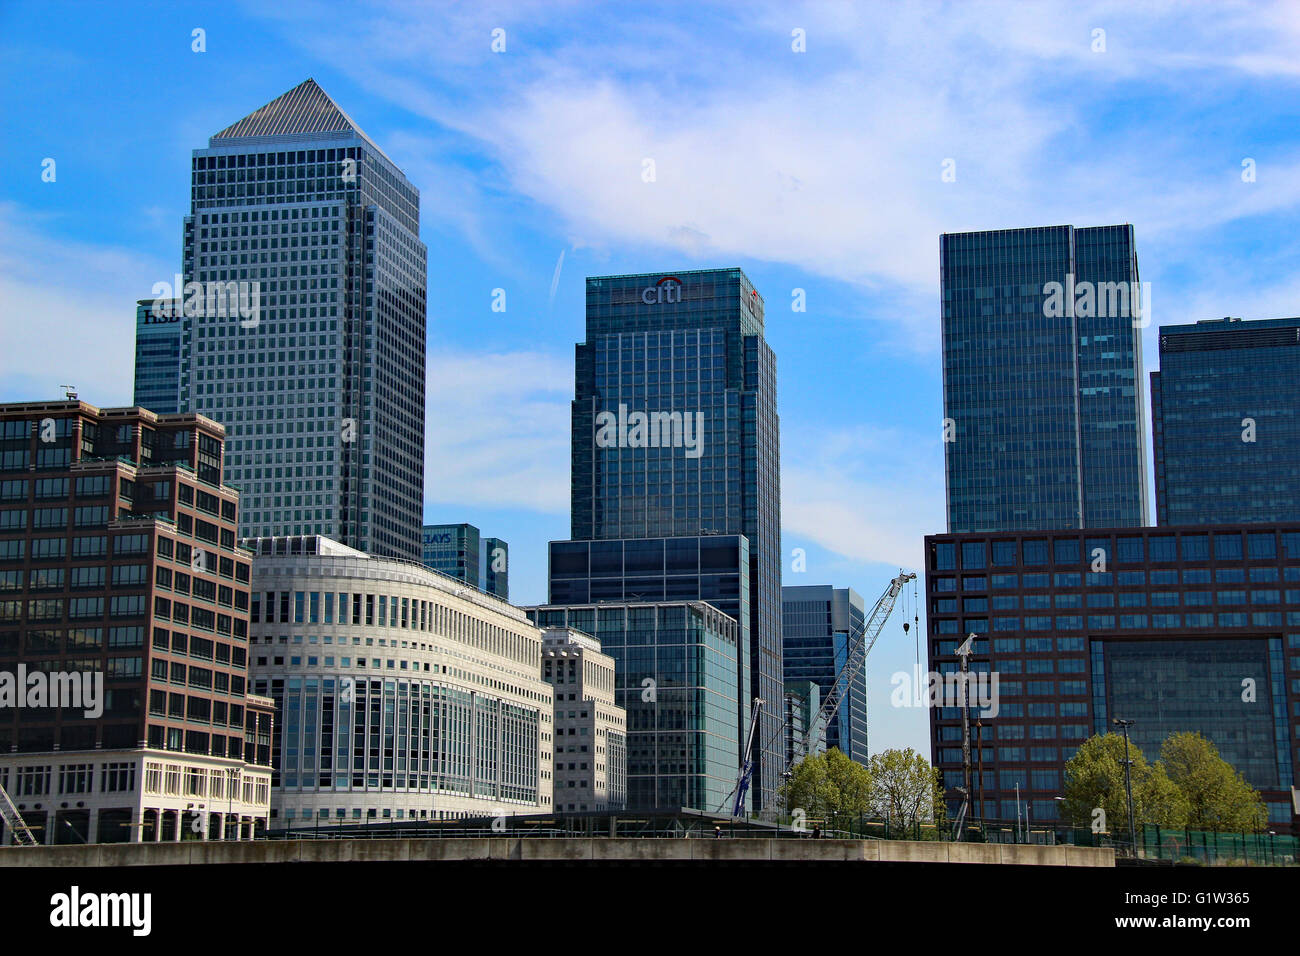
x: 1124, y: 725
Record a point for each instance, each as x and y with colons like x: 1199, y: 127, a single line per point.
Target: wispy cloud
x: 67, y: 311
x: 497, y: 430
x: 865, y: 492
x: 831, y: 160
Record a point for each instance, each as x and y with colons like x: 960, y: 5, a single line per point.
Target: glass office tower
x: 676, y: 439
x: 496, y: 567
x: 822, y: 625
x: 1225, y: 412
x: 318, y: 375
x: 1042, y: 385
x: 675, y: 670
x: 158, y: 337
x: 452, y: 549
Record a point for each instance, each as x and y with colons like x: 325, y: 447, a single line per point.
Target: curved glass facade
x: 400, y: 694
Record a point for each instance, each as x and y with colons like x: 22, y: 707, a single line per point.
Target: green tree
x: 1218, y: 797
x: 828, y: 785
x: 906, y: 790
x: 1094, y: 778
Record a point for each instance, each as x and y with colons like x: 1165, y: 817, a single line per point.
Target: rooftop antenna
x: 70, y: 391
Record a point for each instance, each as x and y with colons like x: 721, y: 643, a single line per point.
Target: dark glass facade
x: 822, y: 624
x: 687, y: 352
x: 322, y: 391
x: 158, y: 336
x: 1225, y: 411
x: 452, y: 549
x: 1179, y: 631
x: 801, y: 729
x: 496, y: 568
x: 1042, y: 397
x: 679, y: 673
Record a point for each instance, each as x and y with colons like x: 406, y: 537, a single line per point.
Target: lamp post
x: 1124, y: 725
x: 232, y: 774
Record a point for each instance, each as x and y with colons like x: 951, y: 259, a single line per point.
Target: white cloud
x: 830, y: 160
x: 67, y: 312
x: 864, y: 492
x: 497, y: 430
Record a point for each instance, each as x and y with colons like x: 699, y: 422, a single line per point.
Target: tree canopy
x: 1189, y: 786
x: 1218, y: 796
x: 899, y: 785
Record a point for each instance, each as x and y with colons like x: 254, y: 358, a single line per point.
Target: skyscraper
x: 496, y: 567
x: 302, y: 222
x: 676, y: 468
x: 822, y: 625
x: 1225, y: 414
x: 1042, y: 379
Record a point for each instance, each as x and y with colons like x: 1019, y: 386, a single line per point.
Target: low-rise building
x: 680, y: 675
x: 590, y: 729
x: 402, y: 693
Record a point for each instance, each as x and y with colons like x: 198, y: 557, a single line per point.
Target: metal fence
x: 1154, y: 844
x: 1217, y: 849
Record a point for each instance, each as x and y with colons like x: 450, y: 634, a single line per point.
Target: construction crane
x: 22, y: 835
x: 747, y: 766
x: 857, y: 658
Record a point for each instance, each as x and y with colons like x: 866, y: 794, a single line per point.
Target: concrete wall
x: 546, y: 849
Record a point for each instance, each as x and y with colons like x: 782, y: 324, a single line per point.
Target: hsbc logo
x: 666, y: 290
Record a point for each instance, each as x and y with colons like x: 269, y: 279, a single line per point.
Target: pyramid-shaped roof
x: 305, y: 109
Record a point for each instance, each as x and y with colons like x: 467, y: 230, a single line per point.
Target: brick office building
x: 118, y: 560
x: 1193, y: 629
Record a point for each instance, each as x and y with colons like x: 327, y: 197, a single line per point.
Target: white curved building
x: 402, y: 693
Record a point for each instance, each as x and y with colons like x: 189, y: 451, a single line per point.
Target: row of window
x: 382, y: 610
x: 1223, y: 546
x: 1157, y: 577
x: 36, y: 780
x: 1076, y: 622
x: 1103, y: 599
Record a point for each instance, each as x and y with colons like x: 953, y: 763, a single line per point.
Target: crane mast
x: 22, y: 835
x: 858, y: 655
x: 875, y: 622
x: 747, y: 767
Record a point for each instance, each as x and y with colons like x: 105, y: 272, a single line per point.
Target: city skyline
x: 863, y: 478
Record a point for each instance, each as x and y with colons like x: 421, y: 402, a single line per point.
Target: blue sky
x: 817, y: 170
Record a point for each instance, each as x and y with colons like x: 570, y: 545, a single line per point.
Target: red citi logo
x: 667, y: 289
